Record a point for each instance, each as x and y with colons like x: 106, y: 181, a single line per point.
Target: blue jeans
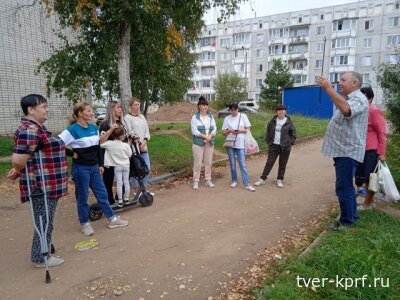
x: 345, y: 169
x: 85, y: 177
x: 146, y: 158
x: 239, y: 155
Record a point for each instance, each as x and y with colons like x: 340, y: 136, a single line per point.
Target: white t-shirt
x: 279, y: 124
x: 206, y: 121
x: 233, y: 122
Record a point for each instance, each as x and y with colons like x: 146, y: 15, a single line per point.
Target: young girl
x: 87, y: 166
x: 117, y: 155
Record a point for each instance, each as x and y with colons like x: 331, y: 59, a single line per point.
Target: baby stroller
x: 139, y: 170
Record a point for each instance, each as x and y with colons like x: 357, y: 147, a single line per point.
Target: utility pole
x: 245, y: 71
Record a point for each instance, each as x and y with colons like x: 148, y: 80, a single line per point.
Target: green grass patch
x: 4, y: 168
x: 6, y: 146
x: 169, y: 126
x: 371, y: 250
x: 169, y: 153
x: 393, y: 155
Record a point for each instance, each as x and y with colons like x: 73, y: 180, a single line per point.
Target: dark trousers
x: 108, y: 178
x: 273, y: 152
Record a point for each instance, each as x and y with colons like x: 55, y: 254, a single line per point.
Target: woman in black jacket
x: 280, y: 136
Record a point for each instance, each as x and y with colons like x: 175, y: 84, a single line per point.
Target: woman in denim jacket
x: 203, y: 130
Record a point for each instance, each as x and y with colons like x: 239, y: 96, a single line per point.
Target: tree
x: 229, y: 87
x: 140, y: 46
x: 388, y: 77
x: 275, y: 81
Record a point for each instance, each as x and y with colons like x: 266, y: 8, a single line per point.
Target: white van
x: 249, y: 103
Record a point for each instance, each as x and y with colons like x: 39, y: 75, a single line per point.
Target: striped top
x: 85, y: 142
x: 346, y: 135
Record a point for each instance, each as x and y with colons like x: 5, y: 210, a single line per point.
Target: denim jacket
x: 199, y: 128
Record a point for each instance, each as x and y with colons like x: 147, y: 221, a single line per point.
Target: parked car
x: 100, y: 111
x: 244, y: 109
x: 252, y: 104
x: 100, y: 119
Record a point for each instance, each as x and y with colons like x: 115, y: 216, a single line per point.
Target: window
x: 339, y: 60
x: 369, y: 24
x: 320, y: 30
x: 257, y: 96
x: 225, y: 56
x: 392, y: 59
x: 300, y: 19
x: 394, y: 21
x: 335, y: 77
x: 393, y: 40
x: 301, y: 48
x: 238, y: 68
x: 366, y: 60
x: 259, y: 68
x: 224, y: 70
x: 345, y: 24
x: 277, y: 33
x: 240, y: 38
x: 278, y: 49
x: 299, y: 32
x: 207, y: 55
x: 196, y: 84
x: 299, y: 64
x: 260, y: 25
x: 260, y: 38
x: 367, y: 43
x: 207, y: 41
x: 319, y: 47
x: 208, y: 71
x: 318, y: 63
x: 207, y: 83
x: 260, y: 53
x: 239, y: 53
x: 225, y: 42
x: 259, y: 82
x: 196, y: 70
x: 340, y: 43
x: 366, y: 79
x: 298, y: 78
x: 321, y: 17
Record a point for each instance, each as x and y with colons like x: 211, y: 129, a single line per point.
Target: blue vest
x: 199, y: 141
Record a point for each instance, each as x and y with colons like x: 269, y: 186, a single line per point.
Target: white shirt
x: 117, y: 153
x: 233, y: 123
x: 279, y: 124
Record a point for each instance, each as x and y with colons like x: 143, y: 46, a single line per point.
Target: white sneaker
x: 51, y: 262
x: 210, y: 184
x: 279, y: 183
x: 117, y: 222
x: 259, y: 182
x: 87, y: 229
x: 195, y: 185
x: 249, y: 188
x: 234, y: 184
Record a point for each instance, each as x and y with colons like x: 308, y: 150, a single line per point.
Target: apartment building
x: 329, y: 40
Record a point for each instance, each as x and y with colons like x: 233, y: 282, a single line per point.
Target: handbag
x: 229, y: 143
x: 389, y: 187
x: 251, y: 144
x: 373, y: 185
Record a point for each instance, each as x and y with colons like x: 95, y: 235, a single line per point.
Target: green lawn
x: 371, y: 251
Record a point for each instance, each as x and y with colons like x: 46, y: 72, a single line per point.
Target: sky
x: 260, y: 8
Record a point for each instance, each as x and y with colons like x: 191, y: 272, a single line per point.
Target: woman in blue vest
x: 204, y: 131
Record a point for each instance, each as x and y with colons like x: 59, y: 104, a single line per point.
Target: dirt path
x: 183, y: 247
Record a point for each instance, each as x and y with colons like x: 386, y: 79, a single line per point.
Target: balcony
x: 299, y: 40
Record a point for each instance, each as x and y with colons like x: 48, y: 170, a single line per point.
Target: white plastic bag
x: 251, y: 144
x: 373, y: 185
x: 389, y: 187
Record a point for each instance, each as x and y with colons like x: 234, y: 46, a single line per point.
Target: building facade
x: 324, y: 41
x: 27, y: 36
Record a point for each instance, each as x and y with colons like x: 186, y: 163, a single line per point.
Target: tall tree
x: 275, y: 81
x: 229, y: 87
x: 388, y: 76
x: 120, y: 46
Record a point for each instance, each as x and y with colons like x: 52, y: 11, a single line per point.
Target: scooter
x: 139, y: 170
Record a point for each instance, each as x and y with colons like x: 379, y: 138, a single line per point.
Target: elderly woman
x: 29, y: 137
x: 87, y: 166
x: 235, y: 127
x: 137, y: 122
x: 113, y: 119
x: 203, y: 131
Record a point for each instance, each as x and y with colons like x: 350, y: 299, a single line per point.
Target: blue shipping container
x: 309, y: 101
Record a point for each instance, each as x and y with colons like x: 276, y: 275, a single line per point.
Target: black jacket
x: 288, y: 132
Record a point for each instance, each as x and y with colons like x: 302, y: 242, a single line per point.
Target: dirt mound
x: 181, y: 111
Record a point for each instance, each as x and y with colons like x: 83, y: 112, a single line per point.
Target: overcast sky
x: 260, y: 8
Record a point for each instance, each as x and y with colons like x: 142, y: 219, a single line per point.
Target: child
x: 117, y: 155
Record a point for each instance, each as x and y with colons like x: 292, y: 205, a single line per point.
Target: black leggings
x: 108, y: 178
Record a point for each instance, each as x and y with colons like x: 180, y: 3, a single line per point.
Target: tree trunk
x: 125, y: 89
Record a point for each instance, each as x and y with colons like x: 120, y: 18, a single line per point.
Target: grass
x: 371, y: 250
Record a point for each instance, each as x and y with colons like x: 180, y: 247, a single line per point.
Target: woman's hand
x: 381, y: 157
x: 143, y: 146
x: 101, y: 170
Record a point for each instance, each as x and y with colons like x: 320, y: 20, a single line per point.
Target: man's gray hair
x: 356, y: 77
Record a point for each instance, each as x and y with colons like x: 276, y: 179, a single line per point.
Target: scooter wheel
x: 146, y: 199
x: 95, y: 212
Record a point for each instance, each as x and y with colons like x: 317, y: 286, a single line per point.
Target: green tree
x: 388, y: 76
x: 275, y: 81
x: 140, y: 46
x: 229, y: 87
